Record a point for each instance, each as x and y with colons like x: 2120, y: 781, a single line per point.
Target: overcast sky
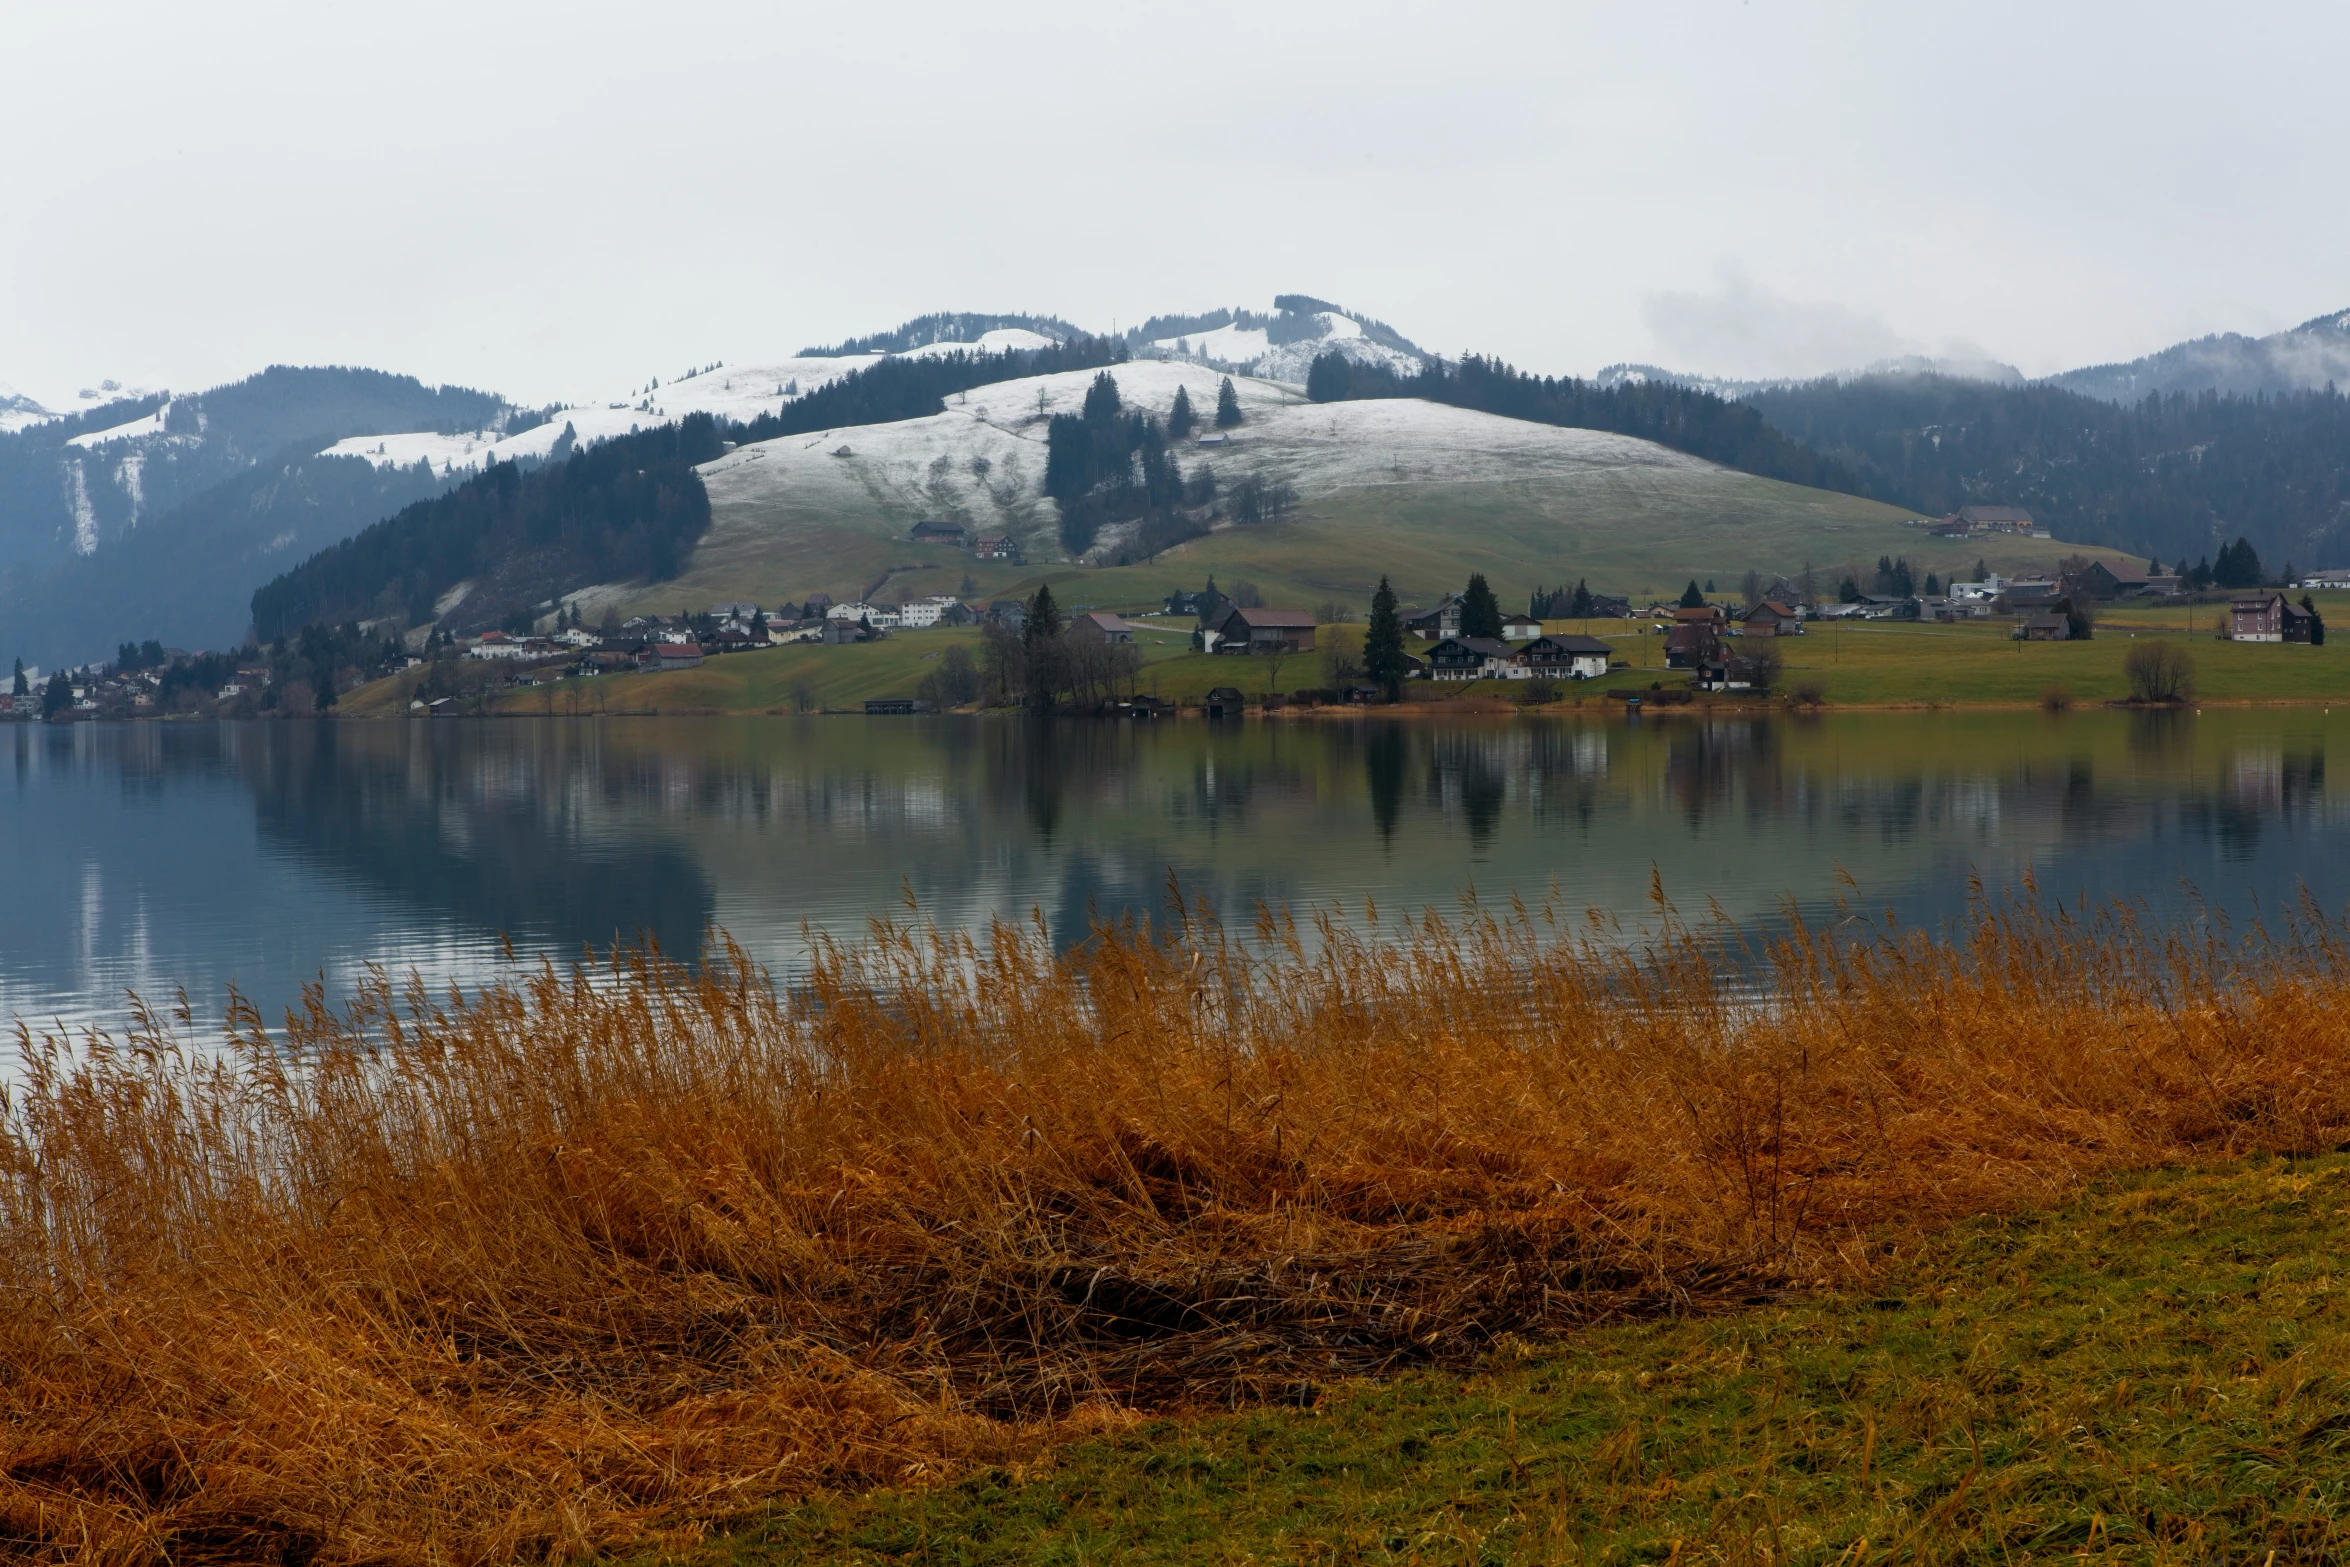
x: 555, y: 201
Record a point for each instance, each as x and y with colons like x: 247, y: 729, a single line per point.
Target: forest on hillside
x: 2172, y: 476
x: 627, y: 508
x: 1688, y: 420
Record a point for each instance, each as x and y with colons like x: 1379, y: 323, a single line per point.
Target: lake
x: 149, y: 857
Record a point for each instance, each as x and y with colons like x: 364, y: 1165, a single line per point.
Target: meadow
x: 625, y: 1257
x: 1843, y: 663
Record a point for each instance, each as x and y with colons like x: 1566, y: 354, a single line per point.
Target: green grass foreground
x: 2159, y: 1372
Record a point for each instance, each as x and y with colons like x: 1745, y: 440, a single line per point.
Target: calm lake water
x: 150, y: 857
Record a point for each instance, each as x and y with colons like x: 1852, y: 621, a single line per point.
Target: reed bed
x: 594, y: 1257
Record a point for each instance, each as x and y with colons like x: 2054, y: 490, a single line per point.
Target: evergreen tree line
x: 1109, y: 464
x: 893, y: 389
x: 1683, y: 418
x: 627, y: 507
x: 2166, y: 477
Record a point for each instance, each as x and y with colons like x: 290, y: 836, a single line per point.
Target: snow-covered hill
x: 983, y: 459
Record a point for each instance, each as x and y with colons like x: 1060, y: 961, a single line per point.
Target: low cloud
x: 1742, y: 330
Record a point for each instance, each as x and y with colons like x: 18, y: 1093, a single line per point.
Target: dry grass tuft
x: 596, y: 1256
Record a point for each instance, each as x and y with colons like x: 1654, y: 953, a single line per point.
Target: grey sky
x: 558, y: 200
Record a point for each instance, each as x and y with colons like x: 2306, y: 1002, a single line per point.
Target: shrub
x: 2055, y: 699
x: 597, y: 1253
x: 2159, y: 671
x: 1810, y: 693
x: 1536, y: 692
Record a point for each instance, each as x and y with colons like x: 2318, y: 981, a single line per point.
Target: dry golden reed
x: 596, y: 1257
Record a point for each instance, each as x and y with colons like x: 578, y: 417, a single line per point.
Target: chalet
x: 2042, y: 625
x: 1771, y: 618
x: 1190, y: 602
x: 1560, y: 657
x: 1474, y: 658
x: 2267, y: 617
x: 1010, y: 614
x: 1607, y: 607
x: 938, y: 533
x: 1225, y: 702
x: 1520, y: 628
x: 1433, y: 625
x: 838, y: 631
x: 1262, y: 631
x: 818, y: 606
x: 670, y: 655
x: 891, y: 706
x: 1689, y: 643
x: 995, y: 546
x: 1099, y: 625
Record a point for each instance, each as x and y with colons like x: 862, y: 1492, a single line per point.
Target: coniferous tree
x: 1981, y: 570
x: 1044, y: 617
x: 58, y: 697
x: 1933, y: 584
x: 1383, y: 655
x: 1227, y: 405
x: 1480, y: 610
x: 1581, y: 607
x: 1180, y: 418
x: 20, y: 687
x: 1690, y: 597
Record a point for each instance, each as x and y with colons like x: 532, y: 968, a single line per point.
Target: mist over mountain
x: 2308, y: 357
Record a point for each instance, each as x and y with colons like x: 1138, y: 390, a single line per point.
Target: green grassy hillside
x: 1420, y: 492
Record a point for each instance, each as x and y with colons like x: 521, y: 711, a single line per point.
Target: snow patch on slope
x: 737, y: 393
x: 137, y: 429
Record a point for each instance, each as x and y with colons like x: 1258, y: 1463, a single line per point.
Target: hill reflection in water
x: 264, y: 855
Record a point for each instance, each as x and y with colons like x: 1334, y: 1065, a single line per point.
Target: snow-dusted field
x: 896, y: 474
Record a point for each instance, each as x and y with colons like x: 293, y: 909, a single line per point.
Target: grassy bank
x: 592, y: 1259
x: 2155, y: 1371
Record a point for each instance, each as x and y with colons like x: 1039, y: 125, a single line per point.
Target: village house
x: 497, y: 644
x: 669, y: 655
x: 1099, y: 625
x: 2099, y: 580
x: 1561, y: 657
x: 1433, y: 625
x: 995, y: 546
x: 1771, y: 618
x: 1734, y: 673
x: 2267, y: 617
x: 1474, y: 658
x: 1010, y: 614
x: 917, y: 613
x: 1694, y: 637
x: 1988, y: 519
x: 2042, y: 625
x: 874, y: 615
x: 1240, y: 630
x: 1520, y: 628
x: 938, y: 533
x: 1225, y: 702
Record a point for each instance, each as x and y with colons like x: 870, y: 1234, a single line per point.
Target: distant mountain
x: 114, y: 522
x: 2175, y: 477
x: 1989, y: 370
x: 2310, y: 356
x: 1281, y: 346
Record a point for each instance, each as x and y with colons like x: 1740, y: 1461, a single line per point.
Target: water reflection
x: 266, y: 855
